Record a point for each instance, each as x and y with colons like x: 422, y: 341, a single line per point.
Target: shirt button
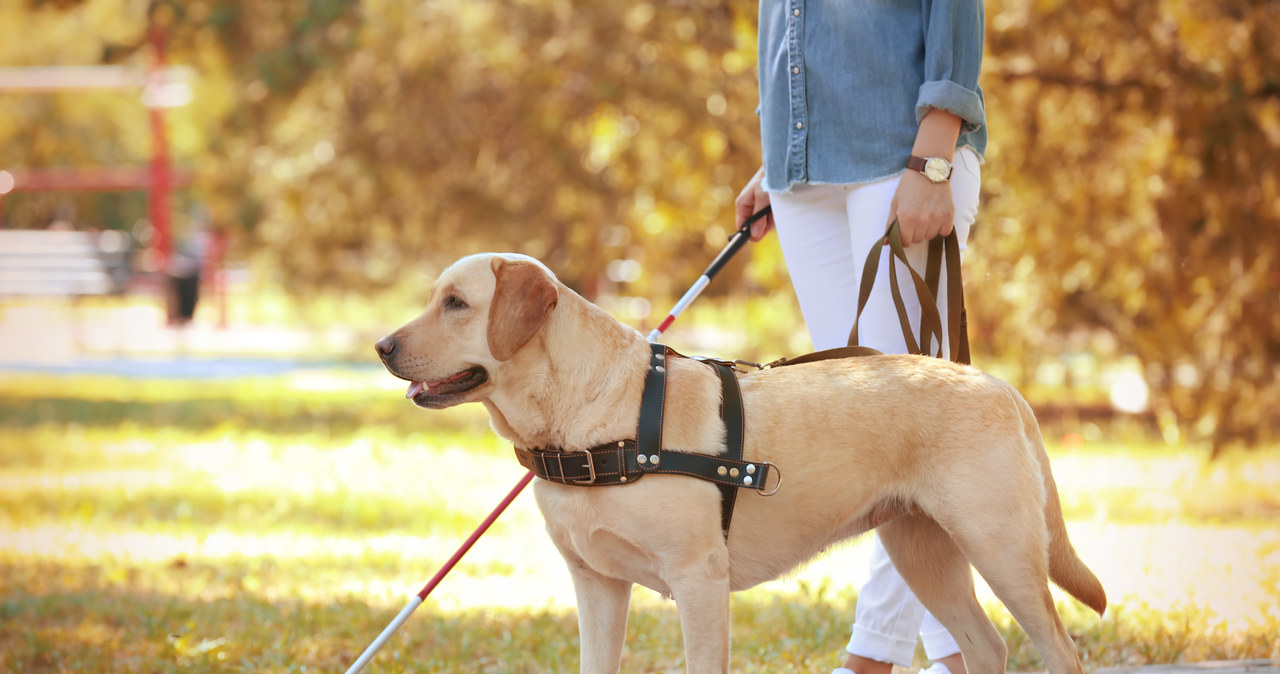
x: 795, y: 70
x: 799, y: 125
x: 795, y: 12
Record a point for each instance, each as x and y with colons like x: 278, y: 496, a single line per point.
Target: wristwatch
x: 936, y: 169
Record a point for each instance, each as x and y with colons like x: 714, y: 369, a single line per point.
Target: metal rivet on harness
x: 642, y: 459
x: 658, y: 368
x: 733, y: 472
x: 653, y: 459
x: 751, y: 469
x: 747, y: 480
x: 622, y: 478
x: 721, y: 471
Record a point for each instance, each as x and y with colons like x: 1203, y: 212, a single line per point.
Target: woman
x: 870, y: 111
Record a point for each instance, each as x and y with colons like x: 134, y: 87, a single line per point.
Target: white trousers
x: 825, y: 232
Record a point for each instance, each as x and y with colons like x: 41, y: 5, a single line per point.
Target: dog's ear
x: 522, y: 300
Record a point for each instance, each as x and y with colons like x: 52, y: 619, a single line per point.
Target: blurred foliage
x: 1132, y: 192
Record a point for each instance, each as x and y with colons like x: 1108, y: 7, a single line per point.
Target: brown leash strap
x: 825, y: 354
x: 940, y: 248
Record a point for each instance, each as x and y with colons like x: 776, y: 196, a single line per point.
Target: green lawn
x: 278, y: 524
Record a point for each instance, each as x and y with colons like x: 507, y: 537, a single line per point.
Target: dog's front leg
x: 703, y: 601
x: 602, y: 619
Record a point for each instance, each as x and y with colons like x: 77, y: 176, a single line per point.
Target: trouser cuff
x: 881, y: 647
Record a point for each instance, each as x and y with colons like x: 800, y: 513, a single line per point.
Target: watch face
x: 937, y: 169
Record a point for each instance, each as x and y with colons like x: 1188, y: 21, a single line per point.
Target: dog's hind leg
x: 1014, y: 562
x: 938, y: 573
x: 602, y: 619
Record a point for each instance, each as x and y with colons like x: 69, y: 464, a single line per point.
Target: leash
x: 940, y: 248
x: 947, y: 247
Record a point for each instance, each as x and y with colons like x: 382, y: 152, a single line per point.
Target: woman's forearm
x: 937, y: 135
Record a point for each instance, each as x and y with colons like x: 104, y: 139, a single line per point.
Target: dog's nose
x: 385, y: 347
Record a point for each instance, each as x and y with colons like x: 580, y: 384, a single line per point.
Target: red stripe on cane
x: 666, y: 323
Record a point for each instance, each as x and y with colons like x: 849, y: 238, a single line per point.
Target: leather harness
x: 626, y: 461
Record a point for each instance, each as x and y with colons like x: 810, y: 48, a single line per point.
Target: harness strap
x: 653, y: 402
x: 626, y: 461
x: 600, y: 466
x: 735, y: 432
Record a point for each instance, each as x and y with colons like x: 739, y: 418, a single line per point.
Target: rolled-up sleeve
x: 953, y: 61
x: 844, y: 84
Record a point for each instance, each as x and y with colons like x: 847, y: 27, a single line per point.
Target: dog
x: 945, y: 462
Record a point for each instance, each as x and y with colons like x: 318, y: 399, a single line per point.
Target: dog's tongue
x: 418, y: 387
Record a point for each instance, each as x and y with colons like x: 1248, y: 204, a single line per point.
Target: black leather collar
x: 625, y: 461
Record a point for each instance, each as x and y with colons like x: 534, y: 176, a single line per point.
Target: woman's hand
x: 751, y: 200
x: 924, y: 209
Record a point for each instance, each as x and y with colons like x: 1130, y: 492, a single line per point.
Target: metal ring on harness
x: 776, y: 487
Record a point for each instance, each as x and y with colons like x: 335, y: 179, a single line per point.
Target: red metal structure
x: 159, y: 206
x: 161, y: 86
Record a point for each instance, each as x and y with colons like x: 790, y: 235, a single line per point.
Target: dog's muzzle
x: 432, y: 394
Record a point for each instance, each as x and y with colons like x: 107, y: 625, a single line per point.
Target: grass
x: 277, y: 524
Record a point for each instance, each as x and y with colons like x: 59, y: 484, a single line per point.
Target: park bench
x: 60, y: 263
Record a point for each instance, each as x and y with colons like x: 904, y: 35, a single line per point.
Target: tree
x: 1131, y: 189
x: 1136, y: 194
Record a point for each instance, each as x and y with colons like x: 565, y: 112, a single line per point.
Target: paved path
x: 1217, y: 667
x: 134, y: 341
x: 176, y: 367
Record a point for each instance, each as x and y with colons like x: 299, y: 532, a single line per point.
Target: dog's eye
x: 454, y: 302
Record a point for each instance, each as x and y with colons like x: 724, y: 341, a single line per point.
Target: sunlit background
x: 211, y: 209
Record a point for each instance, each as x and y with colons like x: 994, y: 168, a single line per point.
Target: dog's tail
x: 1066, y: 569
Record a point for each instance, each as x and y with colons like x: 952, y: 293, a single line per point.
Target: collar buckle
x: 590, y: 465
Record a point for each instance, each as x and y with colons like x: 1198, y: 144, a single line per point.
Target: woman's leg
x: 825, y: 273
x: 885, y: 602
x: 887, y: 618
x: 813, y: 229
x: 825, y: 249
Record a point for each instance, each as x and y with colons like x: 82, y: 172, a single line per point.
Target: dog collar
x: 626, y: 461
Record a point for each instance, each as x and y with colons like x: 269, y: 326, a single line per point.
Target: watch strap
x: 916, y: 163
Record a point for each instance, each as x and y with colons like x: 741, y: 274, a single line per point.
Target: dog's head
x: 483, y: 310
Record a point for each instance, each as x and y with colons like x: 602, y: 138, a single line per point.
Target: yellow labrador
x: 947, y: 463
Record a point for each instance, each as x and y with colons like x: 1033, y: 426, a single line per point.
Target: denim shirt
x: 845, y: 83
